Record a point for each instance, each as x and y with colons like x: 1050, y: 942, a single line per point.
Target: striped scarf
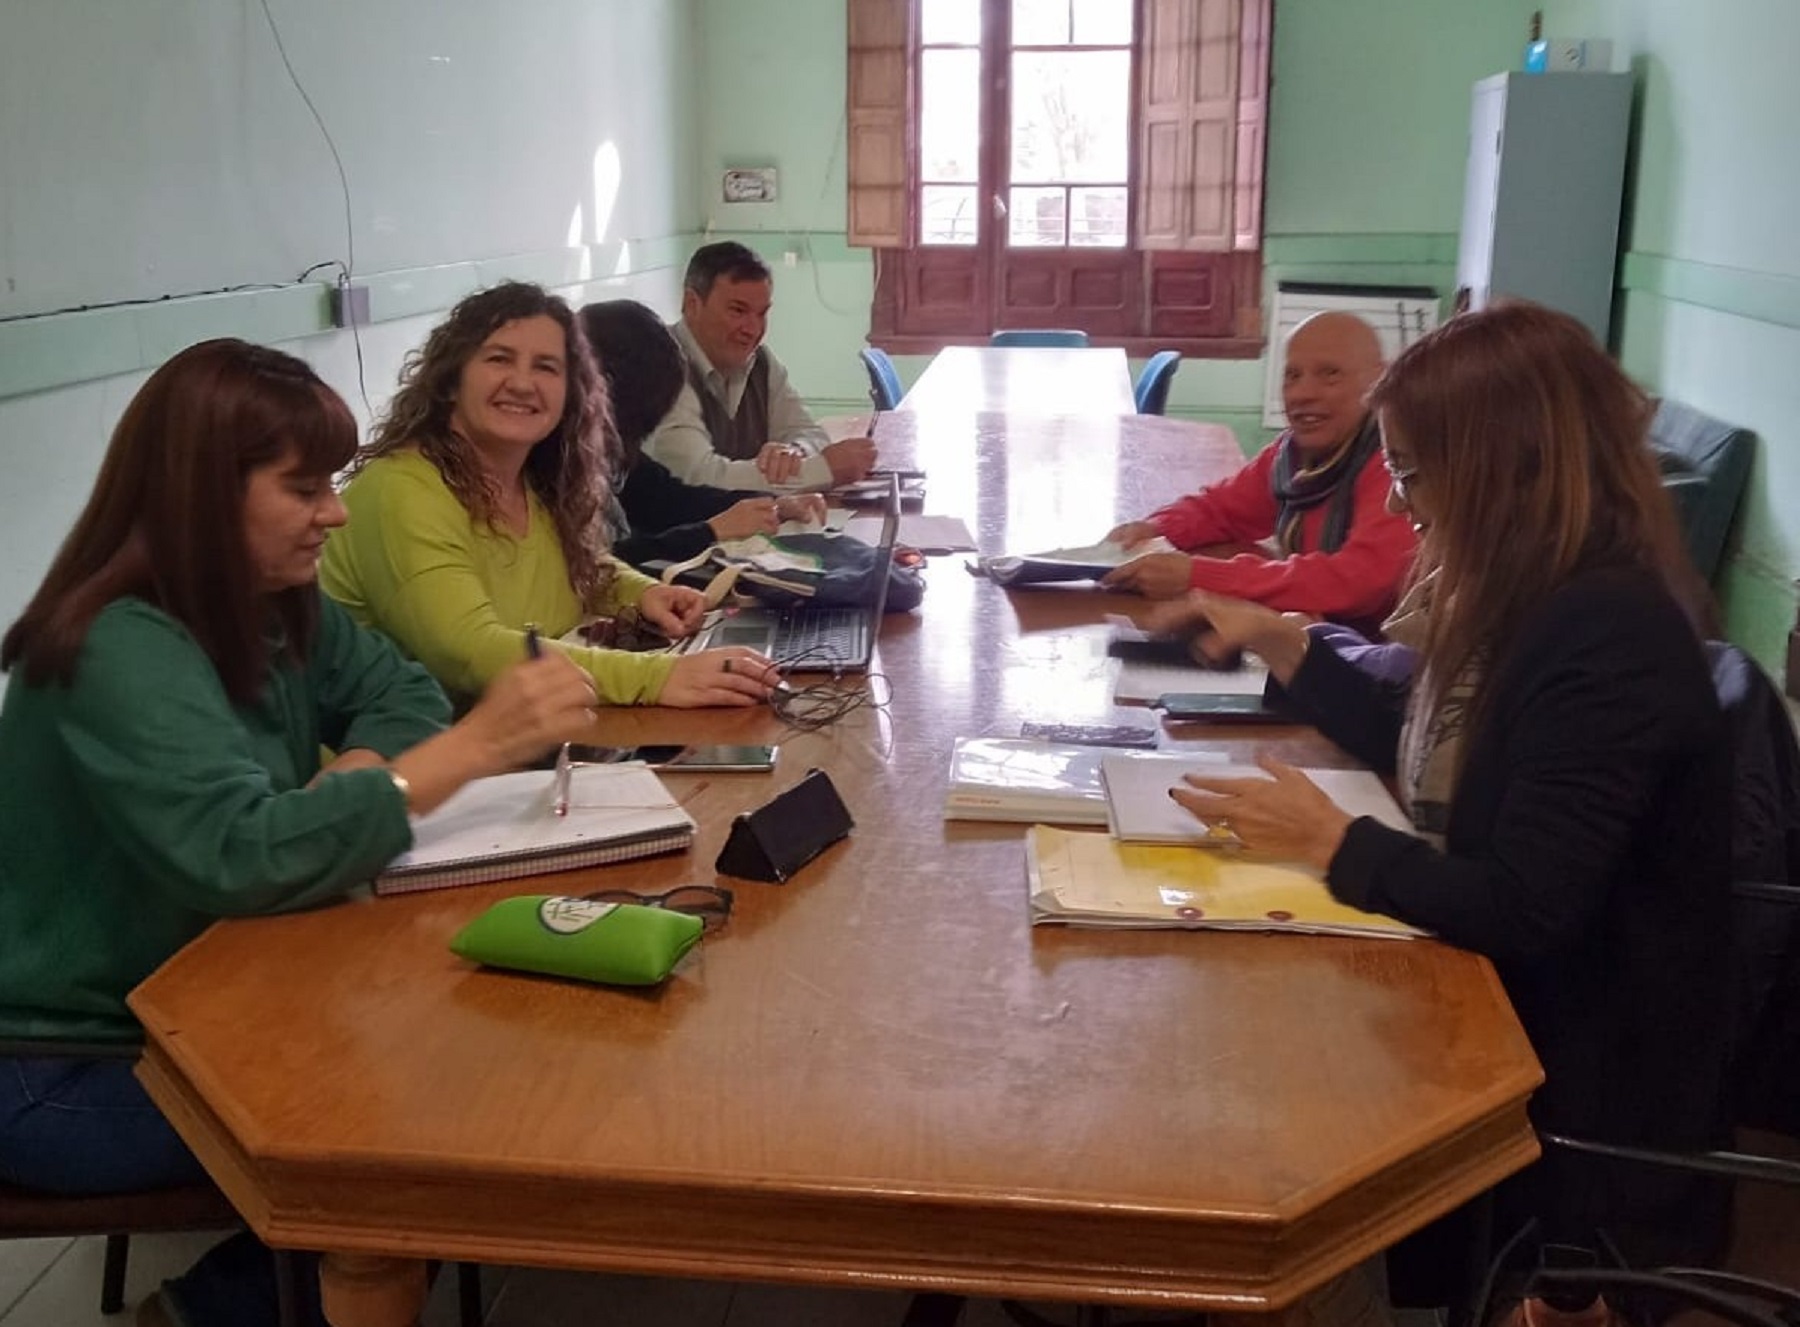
x: 1297, y: 490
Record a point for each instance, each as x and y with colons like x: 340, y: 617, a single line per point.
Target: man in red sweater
x: 1305, y: 526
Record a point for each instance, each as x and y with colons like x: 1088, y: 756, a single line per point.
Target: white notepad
x: 1140, y: 810
x: 506, y: 826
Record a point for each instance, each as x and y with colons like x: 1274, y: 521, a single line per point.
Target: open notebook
x: 506, y: 826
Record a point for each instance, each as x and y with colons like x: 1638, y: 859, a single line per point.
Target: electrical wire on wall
x: 346, y: 268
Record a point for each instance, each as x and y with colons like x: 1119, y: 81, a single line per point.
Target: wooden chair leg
x: 112, y: 1273
x: 468, y: 1294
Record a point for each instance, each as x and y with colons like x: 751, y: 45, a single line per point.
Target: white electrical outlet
x: 750, y: 184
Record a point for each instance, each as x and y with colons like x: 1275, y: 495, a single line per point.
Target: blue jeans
x: 88, y: 1127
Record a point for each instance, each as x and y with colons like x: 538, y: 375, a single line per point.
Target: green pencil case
x: 621, y: 944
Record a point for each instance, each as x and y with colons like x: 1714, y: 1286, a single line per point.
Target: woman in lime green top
x: 476, y: 511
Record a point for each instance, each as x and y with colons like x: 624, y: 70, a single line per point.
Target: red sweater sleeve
x: 1239, y: 510
x: 1359, y: 582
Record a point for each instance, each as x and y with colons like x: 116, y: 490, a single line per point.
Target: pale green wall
x: 1710, y: 311
x: 470, y: 144
x: 1367, y: 144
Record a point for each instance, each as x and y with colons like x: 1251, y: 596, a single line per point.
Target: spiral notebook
x: 506, y: 826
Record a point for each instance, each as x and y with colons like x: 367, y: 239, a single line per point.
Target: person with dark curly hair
x: 476, y: 514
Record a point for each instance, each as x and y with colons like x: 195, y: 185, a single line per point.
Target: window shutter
x: 1252, y: 122
x: 1188, y: 118
x: 878, y: 117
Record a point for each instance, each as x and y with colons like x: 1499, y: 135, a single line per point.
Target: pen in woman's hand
x: 565, y: 769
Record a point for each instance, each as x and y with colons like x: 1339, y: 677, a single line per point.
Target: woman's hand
x: 674, y: 610
x: 807, y: 507
x: 741, y: 520
x: 729, y: 676
x: 1223, y: 628
x: 532, y: 706
x: 526, y: 710
x: 1286, y: 817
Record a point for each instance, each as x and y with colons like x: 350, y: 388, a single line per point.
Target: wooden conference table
x: 1024, y: 380
x: 878, y: 1074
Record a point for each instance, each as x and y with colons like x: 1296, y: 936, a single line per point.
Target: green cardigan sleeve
x: 369, y: 696
x: 208, y: 799
x: 412, y: 564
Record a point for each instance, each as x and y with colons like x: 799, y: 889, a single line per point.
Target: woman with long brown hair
x: 175, y: 676
x: 476, y: 512
x: 1548, y: 716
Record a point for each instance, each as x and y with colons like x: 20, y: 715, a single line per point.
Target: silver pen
x: 559, y: 795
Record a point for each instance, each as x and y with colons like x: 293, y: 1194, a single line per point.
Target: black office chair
x: 1705, y: 467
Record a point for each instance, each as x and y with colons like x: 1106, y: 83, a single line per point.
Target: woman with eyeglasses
x: 1547, y: 714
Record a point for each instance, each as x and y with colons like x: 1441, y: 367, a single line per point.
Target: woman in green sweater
x: 174, y: 678
x: 477, y: 510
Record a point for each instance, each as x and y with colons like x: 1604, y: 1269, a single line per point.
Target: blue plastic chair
x: 884, y: 380
x: 1153, y: 383
x: 1039, y: 336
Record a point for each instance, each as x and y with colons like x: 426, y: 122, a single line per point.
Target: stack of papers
x: 1013, y: 778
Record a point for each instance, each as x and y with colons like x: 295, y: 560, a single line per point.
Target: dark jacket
x: 665, y: 519
x: 1589, y: 856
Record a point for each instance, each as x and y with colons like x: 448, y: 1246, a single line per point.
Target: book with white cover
x: 506, y: 826
x: 1015, y: 778
x: 1140, y: 810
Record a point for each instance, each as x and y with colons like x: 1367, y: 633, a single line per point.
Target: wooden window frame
x: 1190, y: 277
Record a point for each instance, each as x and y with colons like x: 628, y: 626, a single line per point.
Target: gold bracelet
x: 401, y: 785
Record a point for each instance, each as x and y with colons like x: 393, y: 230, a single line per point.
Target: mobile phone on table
x: 675, y: 756
x: 1218, y: 707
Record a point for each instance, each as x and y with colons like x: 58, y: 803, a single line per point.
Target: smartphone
x: 674, y: 756
x: 1218, y: 707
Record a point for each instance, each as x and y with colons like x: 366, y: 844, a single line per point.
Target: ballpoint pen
x: 559, y: 795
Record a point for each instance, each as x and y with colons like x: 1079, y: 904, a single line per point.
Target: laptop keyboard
x: 833, y: 636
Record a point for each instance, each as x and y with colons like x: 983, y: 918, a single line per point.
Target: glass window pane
x: 1043, y: 22
x: 1097, y: 218
x: 1102, y: 23
x: 949, y: 115
x: 1037, y: 218
x: 947, y: 214
x: 954, y: 21
x: 1071, y: 117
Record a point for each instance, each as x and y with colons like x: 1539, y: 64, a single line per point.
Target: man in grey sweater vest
x: 738, y: 423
